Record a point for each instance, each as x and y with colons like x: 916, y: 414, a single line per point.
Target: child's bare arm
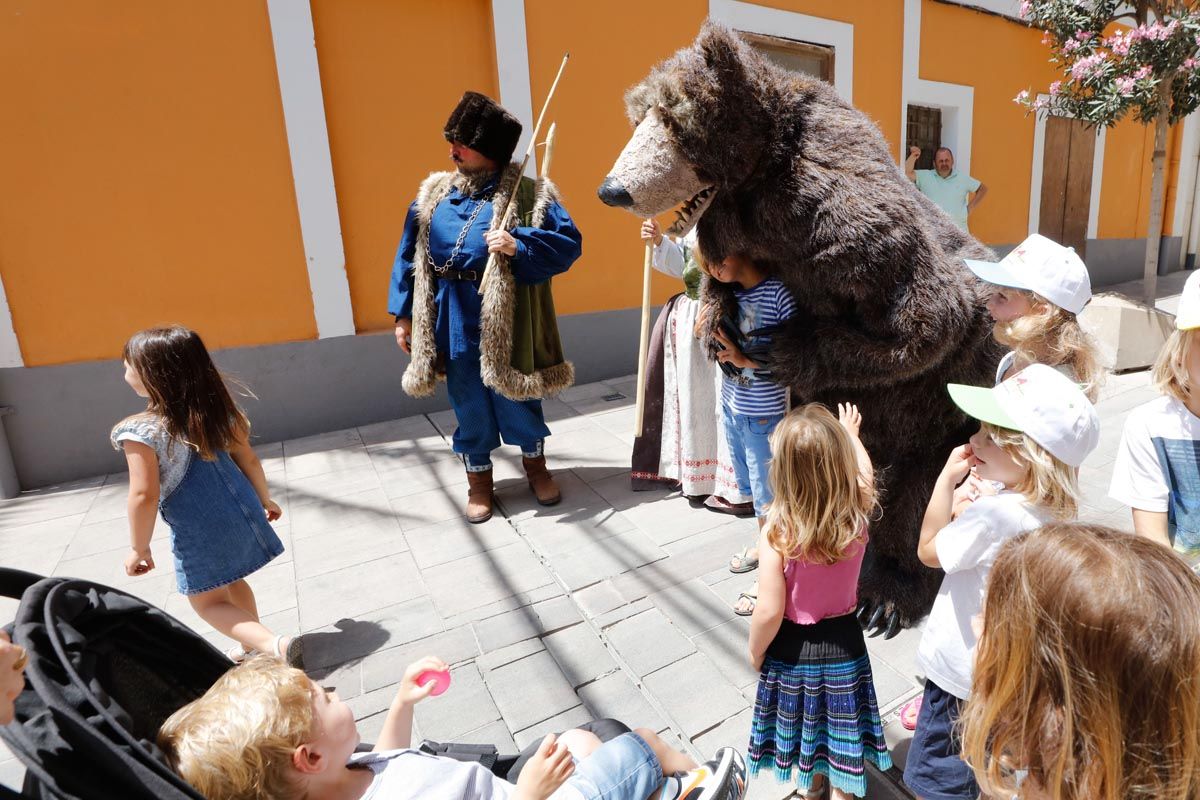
x: 851, y: 419
x: 397, y: 725
x: 247, y: 461
x: 941, y: 504
x: 142, y: 505
x: 1152, y: 525
x: 769, y: 607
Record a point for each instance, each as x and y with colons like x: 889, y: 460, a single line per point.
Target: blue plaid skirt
x: 816, y: 713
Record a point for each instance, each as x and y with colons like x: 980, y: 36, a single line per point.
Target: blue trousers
x: 485, y: 417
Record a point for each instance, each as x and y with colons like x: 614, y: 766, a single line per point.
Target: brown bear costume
x: 775, y: 166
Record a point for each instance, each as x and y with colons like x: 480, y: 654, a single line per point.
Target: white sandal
x: 238, y: 653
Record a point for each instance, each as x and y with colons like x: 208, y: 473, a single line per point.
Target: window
x: 924, y: 131
x: 802, y: 57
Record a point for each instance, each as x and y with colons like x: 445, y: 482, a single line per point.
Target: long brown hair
x: 821, y: 502
x: 1088, y: 670
x: 186, y: 390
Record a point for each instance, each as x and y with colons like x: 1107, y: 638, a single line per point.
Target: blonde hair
x: 1170, y: 374
x: 1049, y: 483
x: 821, y: 504
x: 1088, y: 670
x: 236, y: 741
x: 1052, y: 336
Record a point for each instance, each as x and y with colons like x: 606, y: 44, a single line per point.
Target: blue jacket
x: 541, y: 254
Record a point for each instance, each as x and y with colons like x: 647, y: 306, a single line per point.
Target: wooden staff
x: 510, y: 203
x: 545, y: 173
x: 644, y: 342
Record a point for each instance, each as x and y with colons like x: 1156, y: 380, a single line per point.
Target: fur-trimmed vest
x: 520, y: 353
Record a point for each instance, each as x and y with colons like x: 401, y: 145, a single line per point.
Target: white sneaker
x: 721, y: 778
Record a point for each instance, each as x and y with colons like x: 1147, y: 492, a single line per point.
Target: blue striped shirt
x: 768, y: 303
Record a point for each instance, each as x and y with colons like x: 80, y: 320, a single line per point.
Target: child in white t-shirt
x: 265, y: 731
x: 1157, y: 473
x: 1037, y: 428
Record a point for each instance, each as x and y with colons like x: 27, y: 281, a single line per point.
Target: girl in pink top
x: 816, y: 721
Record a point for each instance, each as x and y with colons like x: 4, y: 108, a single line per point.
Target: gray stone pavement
x: 613, y: 603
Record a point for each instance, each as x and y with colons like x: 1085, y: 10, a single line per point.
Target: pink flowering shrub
x: 1110, y: 68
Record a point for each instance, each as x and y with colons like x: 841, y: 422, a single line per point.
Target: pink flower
x: 1046, y: 37
x: 1026, y: 7
x: 1055, y: 88
x: 1040, y: 103
x: 1087, y: 66
x: 1084, y: 36
x: 1124, y: 85
x: 1189, y: 63
x: 1143, y: 73
x: 1070, y: 46
x: 1022, y: 97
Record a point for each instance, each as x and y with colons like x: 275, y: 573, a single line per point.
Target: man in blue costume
x: 499, y: 352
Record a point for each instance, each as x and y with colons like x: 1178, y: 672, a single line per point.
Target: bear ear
x: 720, y: 46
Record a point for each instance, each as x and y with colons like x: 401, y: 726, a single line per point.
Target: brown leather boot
x: 479, y: 496
x: 541, y: 481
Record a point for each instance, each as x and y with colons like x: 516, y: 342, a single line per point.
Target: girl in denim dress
x: 190, y: 458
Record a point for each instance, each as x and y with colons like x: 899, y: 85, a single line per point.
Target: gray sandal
x: 742, y: 561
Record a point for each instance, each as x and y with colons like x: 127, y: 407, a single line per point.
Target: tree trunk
x: 1158, y: 186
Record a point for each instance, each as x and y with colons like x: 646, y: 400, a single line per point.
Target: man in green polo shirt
x: 947, y: 188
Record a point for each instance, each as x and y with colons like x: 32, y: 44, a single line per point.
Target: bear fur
x: 804, y: 184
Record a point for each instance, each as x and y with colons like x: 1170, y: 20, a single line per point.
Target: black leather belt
x: 457, y: 274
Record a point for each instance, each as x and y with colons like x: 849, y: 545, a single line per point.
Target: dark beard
x: 471, y: 181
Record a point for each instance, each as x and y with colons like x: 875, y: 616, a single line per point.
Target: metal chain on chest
x: 462, y: 238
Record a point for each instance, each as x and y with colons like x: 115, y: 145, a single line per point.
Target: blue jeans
x: 485, y: 416
x: 935, y: 769
x: 624, y: 768
x: 750, y: 449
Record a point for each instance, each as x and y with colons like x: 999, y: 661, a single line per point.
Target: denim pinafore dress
x: 219, y: 531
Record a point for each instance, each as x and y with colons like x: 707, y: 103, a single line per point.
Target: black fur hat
x: 482, y: 124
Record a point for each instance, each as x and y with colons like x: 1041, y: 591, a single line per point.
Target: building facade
x: 243, y: 167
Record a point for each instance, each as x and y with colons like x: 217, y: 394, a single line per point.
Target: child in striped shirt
x: 751, y: 406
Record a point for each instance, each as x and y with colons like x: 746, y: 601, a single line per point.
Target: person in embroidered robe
x: 499, y: 352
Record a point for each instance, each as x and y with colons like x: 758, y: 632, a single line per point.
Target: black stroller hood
x: 105, y: 670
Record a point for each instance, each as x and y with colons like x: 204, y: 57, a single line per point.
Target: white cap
x: 1042, y: 403
x: 1188, y: 315
x: 1043, y: 266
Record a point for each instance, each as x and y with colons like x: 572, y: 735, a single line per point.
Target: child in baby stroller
x: 105, y: 671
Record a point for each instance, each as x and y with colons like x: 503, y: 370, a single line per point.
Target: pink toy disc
x: 440, y: 677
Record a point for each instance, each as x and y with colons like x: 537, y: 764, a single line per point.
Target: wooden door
x: 1067, y: 182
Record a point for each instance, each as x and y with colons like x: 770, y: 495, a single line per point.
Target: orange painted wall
x: 388, y: 87
x: 959, y: 45
x: 146, y: 177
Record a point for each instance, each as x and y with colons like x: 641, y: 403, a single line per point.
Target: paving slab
x: 695, y: 694
x: 648, y: 642
x: 531, y: 690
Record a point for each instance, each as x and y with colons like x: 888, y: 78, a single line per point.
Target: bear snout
x: 612, y: 193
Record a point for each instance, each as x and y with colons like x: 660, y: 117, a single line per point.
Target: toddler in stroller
x: 265, y: 730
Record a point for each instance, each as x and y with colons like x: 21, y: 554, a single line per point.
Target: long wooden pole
x: 545, y: 173
x: 644, y: 340
x: 510, y: 203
